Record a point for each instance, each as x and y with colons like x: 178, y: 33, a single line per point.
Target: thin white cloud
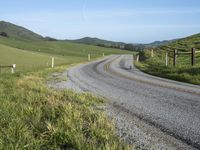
x: 140, y: 12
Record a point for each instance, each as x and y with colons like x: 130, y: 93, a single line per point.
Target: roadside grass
x: 183, y: 72
x: 32, y: 116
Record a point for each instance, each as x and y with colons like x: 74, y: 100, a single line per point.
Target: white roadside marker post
x: 52, y: 63
x: 138, y: 58
x: 12, y: 69
x: 89, y: 57
x: 166, y: 59
x: 152, y: 53
x: 103, y: 55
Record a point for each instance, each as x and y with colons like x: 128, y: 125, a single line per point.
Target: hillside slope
x: 17, y: 32
x: 183, y: 71
x: 160, y: 43
x: 21, y: 38
x: 184, y: 44
x: 27, y: 60
x: 97, y: 41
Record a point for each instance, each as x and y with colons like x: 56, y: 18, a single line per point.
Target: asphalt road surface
x: 169, y: 109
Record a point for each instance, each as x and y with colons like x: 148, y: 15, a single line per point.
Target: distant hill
x: 184, y: 44
x: 24, y: 39
x: 122, y: 45
x: 10, y: 30
x: 97, y: 41
x: 109, y: 44
x: 50, y: 39
x: 159, y: 43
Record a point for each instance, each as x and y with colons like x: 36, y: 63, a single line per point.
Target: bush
x: 144, y: 55
x: 4, y: 34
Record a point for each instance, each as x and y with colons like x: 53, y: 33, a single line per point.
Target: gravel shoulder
x: 150, y: 112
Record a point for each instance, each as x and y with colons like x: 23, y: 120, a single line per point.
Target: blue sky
x: 135, y: 21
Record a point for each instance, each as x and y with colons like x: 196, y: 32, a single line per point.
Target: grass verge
x: 33, y: 116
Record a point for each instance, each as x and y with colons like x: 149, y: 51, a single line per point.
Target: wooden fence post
x: 193, y: 56
x: 175, y: 57
x: 52, y: 62
x: 166, y: 59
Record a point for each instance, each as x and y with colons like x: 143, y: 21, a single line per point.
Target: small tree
x: 4, y: 34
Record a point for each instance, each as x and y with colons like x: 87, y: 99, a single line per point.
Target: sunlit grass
x: 182, y: 72
x: 36, y: 117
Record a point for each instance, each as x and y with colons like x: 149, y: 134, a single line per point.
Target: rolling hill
x: 159, y: 43
x: 15, y: 41
x: 97, y: 41
x: 17, y: 32
x: 184, y: 44
x: 25, y: 39
x: 27, y: 60
x: 183, y: 71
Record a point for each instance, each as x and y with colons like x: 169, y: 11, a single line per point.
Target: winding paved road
x: 171, y: 107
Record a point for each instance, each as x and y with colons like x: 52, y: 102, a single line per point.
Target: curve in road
x: 170, y: 106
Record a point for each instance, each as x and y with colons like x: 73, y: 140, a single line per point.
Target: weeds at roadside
x: 35, y: 117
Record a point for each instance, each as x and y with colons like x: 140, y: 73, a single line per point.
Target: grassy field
x: 36, y: 117
x: 27, y: 60
x: 28, y: 55
x: 60, y: 47
x: 182, y: 72
x: 29, y: 50
x: 184, y: 44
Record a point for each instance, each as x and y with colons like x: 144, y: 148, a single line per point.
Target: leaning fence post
x: 52, y: 62
x: 89, y: 57
x: 193, y: 56
x: 175, y: 57
x: 166, y: 59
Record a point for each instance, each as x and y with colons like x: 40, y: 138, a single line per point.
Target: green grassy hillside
x: 183, y: 71
x: 21, y: 38
x: 17, y: 32
x: 60, y: 47
x: 27, y: 60
x: 30, y: 50
x: 184, y: 44
x: 97, y: 41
